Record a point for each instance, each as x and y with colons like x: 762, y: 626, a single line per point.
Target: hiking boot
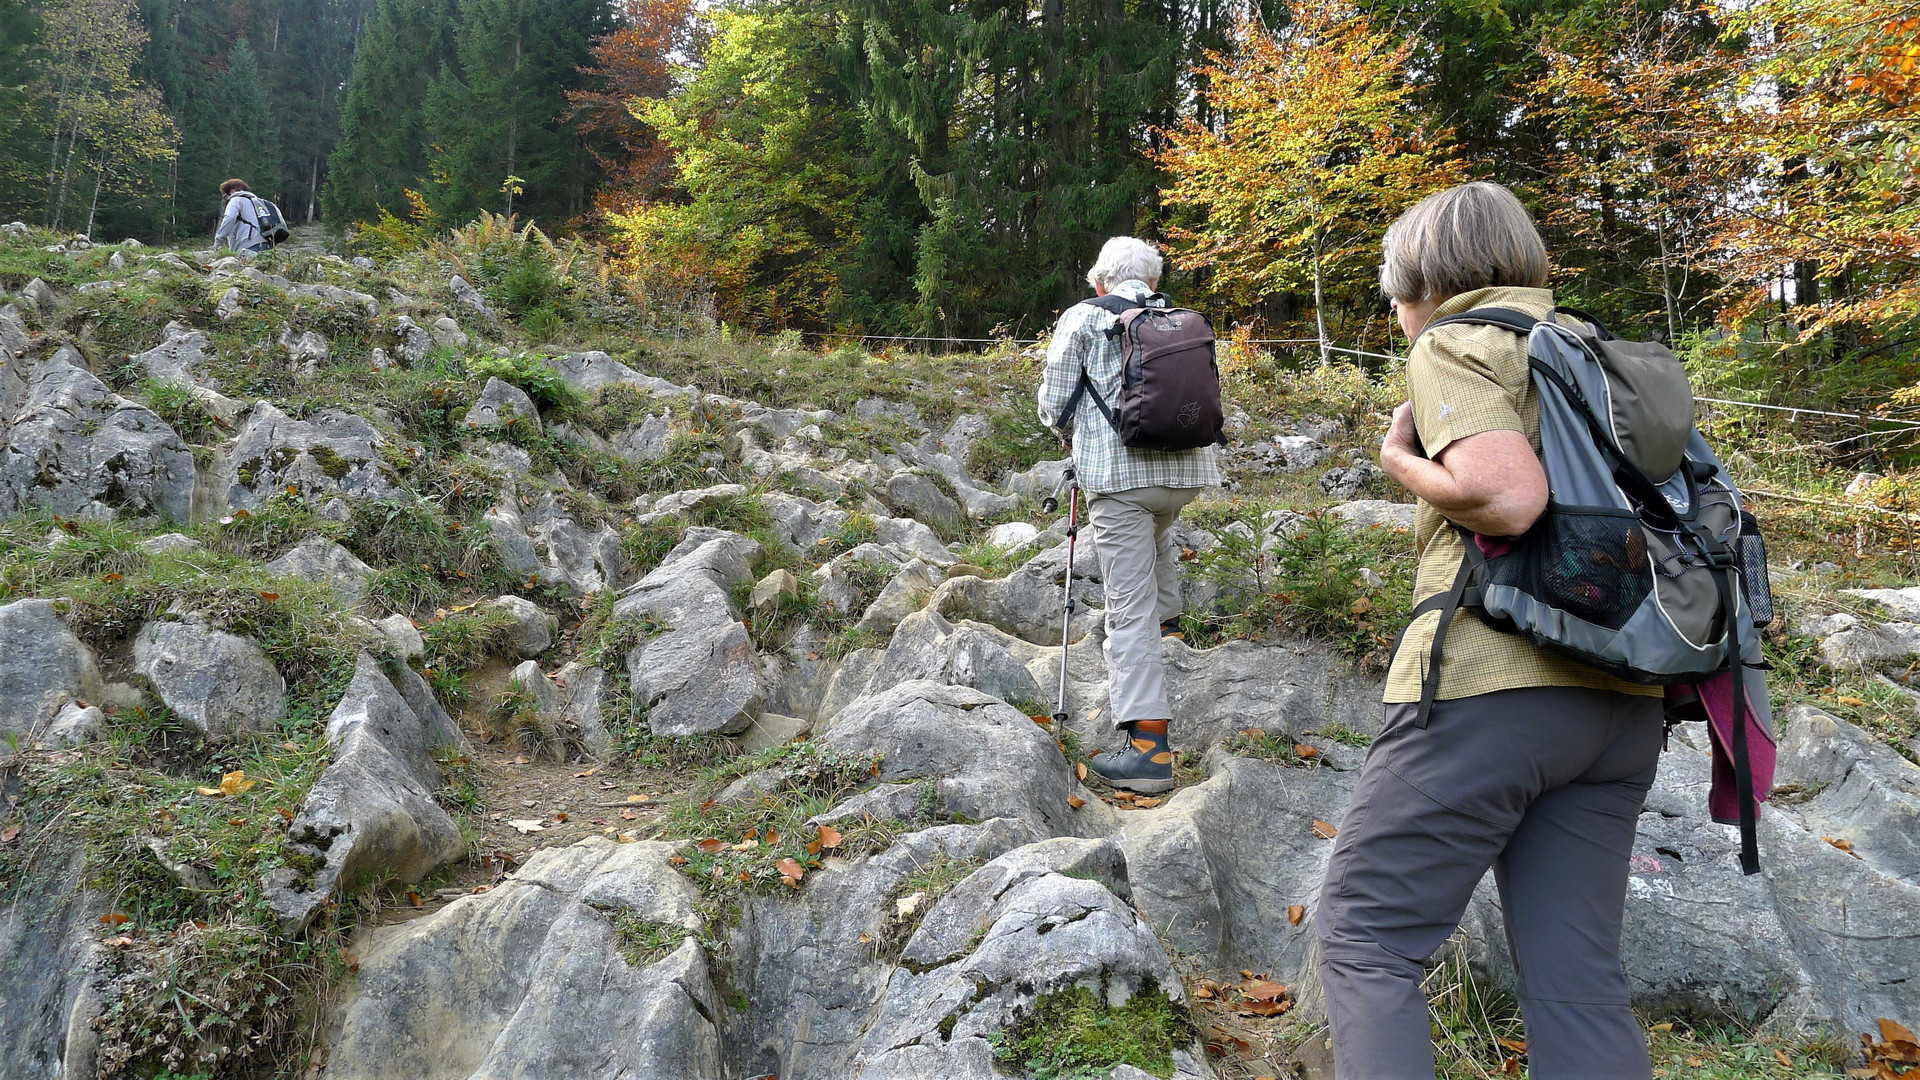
x: 1145, y: 766
x: 1171, y: 629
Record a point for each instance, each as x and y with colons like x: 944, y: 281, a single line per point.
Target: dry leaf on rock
x: 790, y: 872
x: 1296, y: 912
x: 1076, y: 802
x: 829, y: 838
x: 1324, y: 830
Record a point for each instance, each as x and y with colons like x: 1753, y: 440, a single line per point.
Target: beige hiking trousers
x: 1141, y: 571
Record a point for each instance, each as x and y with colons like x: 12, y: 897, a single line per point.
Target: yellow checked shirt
x: 1464, y: 380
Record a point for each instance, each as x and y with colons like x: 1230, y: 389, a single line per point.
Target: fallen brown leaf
x: 1302, y: 750
x: 115, y: 918
x: 120, y: 942
x: 1324, y: 830
x: 1146, y: 803
x: 677, y: 860
x: 1893, y: 1032
x: 1080, y: 770
x: 829, y: 838
x: 269, y: 597
x: 628, y: 815
x: 711, y: 846
x: 1296, y: 912
x: 7, y: 834
x: 1261, y: 990
x: 1518, y: 1046
x: 416, y: 899
x: 1076, y: 802
x: 589, y: 772
x: 1780, y: 1056
x: 790, y: 870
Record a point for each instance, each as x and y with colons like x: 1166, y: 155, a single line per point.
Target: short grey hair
x: 1474, y: 236
x: 1126, y: 258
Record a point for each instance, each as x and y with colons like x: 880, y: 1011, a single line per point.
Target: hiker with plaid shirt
x: 1133, y: 499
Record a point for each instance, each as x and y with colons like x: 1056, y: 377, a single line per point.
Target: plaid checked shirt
x: 1080, y: 343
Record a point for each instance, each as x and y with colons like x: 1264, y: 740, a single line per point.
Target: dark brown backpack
x: 1169, y: 382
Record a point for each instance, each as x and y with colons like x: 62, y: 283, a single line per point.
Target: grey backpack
x: 1644, y: 564
x: 1169, y: 381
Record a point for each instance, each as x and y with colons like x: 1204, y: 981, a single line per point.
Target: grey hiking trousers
x: 1140, y: 571
x: 1544, y: 784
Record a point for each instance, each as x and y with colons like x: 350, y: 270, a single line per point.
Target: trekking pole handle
x: 1068, y: 479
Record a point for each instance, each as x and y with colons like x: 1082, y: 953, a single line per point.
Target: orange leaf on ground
x: 1076, y: 801
x: 1324, y: 830
x: 829, y: 838
x: 1302, y: 750
x: 1254, y: 732
x: 813, y: 847
x: 1891, y: 1031
x: 772, y: 838
x: 115, y: 918
x: 118, y: 942
x: 628, y: 815
x: 1146, y: 803
x: 1080, y: 769
x: 7, y: 834
x: 790, y: 869
x: 711, y: 846
x: 284, y: 812
x: 416, y: 899
x: 1261, y: 990
x: 1296, y: 912
x: 1849, y: 699
x: 677, y: 860
x: 1518, y: 1046
x: 588, y: 772
x: 1780, y: 1056
x: 269, y: 597
x: 560, y: 819
x: 1094, y: 715
x: 1265, y: 1008
x: 1043, y: 721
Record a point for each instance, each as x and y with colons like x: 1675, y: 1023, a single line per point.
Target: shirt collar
x: 1132, y: 289
x: 1498, y: 296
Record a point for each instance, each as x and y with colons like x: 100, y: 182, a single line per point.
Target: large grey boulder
x: 927, y: 646
x: 533, y: 627
x: 905, y: 593
x: 1027, y: 602
x: 584, y: 690
x: 332, y: 452
x: 372, y: 814
x: 699, y: 675
x: 501, y: 403
x: 43, y: 666
x: 76, y: 448
x: 53, y: 965
x: 1051, y: 920
x: 319, y: 559
x: 986, y: 758
x: 588, y: 372
x: 1369, y: 513
x: 1849, y: 786
x: 14, y: 339
x: 181, y: 360
x: 803, y: 523
x: 813, y: 966
x: 1903, y: 603
x: 217, y: 683
x: 38, y: 295
x: 552, y: 994
x: 647, y: 441
x: 305, y: 353
x: 916, y: 496
x: 586, y: 557
x: 415, y: 342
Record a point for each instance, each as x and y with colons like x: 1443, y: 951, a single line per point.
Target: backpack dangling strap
x: 1742, y: 767
x: 1447, y: 604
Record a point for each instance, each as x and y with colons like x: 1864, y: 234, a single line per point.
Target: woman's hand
x: 1490, y: 482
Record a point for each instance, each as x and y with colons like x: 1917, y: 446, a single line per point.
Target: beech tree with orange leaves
x: 632, y: 65
x: 1316, y: 147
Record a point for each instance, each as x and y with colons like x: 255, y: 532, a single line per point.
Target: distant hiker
x: 1134, y: 495
x: 1529, y: 762
x: 241, y: 228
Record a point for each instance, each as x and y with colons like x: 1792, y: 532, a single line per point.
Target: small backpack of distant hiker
x: 1644, y: 563
x: 1169, y: 381
x: 273, y: 224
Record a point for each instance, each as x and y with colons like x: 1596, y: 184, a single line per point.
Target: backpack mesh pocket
x: 1592, y: 566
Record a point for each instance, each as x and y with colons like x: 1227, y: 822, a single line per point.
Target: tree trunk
x: 1319, y: 301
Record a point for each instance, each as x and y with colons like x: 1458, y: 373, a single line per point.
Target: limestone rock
x: 229, y: 305
x: 446, y: 331
x: 54, y: 962
x: 427, y: 1006
x: 43, y: 666
x: 403, y: 636
x: 587, y: 372
x: 1012, y: 534
x: 1027, y: 602
x: 306, y: 353
x: 76, y: 448
x: 74, y: 724
x: 372, y: 814
x: 917, y: 497
x: 464, y: 292
x: 987, y: 758
x: 769, y: 593
x: 415, y: 342
x: 502, y: 402
x: 534, y: 629
x: 700, y: 675
x: 14, y: 338
x: 769, y: 730
x: 1865, y: 644
x: 583, y: 693
x: 217, y: 683
x: 1368, y: 513
x: 317, y: 558
x: 332, y: 452
x: 646, y: 442
x: 37, y: 295
x: 903, y: 595
x: 181, y: 360
x: 1352, y: 480
x: 927, y: 646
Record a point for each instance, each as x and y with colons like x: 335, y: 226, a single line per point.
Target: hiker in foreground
x: 1529, y: 761
x: 1142, y: 415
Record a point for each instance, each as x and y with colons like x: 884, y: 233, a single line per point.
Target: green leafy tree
x: 770, y: 185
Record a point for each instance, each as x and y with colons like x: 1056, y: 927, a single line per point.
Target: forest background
x: 1738, y: 179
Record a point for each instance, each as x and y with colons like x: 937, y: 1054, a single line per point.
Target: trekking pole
x: 1070, y: 481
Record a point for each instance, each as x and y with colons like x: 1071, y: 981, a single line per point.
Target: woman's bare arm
x: 1490, y: 482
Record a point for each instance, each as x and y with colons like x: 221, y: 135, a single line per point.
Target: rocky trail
x: 388, y: 695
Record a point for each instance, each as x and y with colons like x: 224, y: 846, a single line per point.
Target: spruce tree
x: 403, y: 48
x: 244, y: 139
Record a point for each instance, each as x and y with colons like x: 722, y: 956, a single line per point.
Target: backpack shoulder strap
x: 1112, y: 304
x: 1518, y: 322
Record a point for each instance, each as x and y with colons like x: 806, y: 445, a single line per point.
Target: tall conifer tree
x: 404, y: 46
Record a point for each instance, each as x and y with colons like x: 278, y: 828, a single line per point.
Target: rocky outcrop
x: 554, y: 994
x: 502, y: 403
x: 52, y: 960
x: 332, y: 452
x: 43, y: 666
x: 372, y: 814
x: 698, y: 675
x: 319, y: 559
x: 217, y: 683
x: 76, y: 448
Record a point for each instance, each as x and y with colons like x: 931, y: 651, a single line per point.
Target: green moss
x: 644, y: 941
x: 331, y: 463
x: 1071, y: 1032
